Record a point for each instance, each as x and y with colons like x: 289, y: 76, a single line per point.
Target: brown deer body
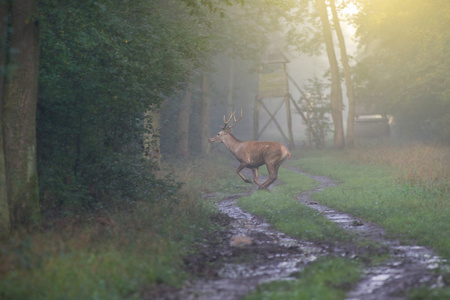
x: 253, y: 154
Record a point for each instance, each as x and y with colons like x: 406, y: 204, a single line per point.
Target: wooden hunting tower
x: 273, y: 86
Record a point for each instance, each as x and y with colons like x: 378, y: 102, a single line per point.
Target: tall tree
x: 4, y: 212
x: 204, y: 113
x: 404, y: 61
x: 336, y: 90
x: 101, y: 69
x: 183, y: 119
x: 19, y: 114
x: 230, y: 91
x: 347, y: 76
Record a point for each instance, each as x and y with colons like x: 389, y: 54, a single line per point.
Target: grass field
x: 281, y: 208
x: 325, y: 279
x: 411, y: 202
x: 417, y: 210
x: 114, y: 256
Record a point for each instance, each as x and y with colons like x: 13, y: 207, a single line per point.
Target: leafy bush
x: 113, y: 256
x: 101, y: 68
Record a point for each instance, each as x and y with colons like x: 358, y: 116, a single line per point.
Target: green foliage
x: 66, y: 277
x: 211, y: 5
x: 317, y: 108
x: 405, y: 63
x: 137, y: 250
x: 102, y: 67
x: 327, y: 278
x: 429, y: 294
x: 370, y: 192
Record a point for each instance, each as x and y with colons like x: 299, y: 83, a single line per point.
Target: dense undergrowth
x: 115, y: 254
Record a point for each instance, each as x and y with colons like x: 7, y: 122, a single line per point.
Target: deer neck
x: 231, y: 143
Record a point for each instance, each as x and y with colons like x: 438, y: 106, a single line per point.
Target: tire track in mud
x: 250, y: 252
x: 408, y: 266
x: 253, y: 254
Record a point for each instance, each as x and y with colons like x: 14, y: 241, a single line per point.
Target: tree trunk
x: 231, y: 83
x: 19, y: 115
x: 204, y: 117
x: 4, y: 211
x: 336, y: 90
x: 183, y: 120
x: 152, y: 141
x: 347, y: 76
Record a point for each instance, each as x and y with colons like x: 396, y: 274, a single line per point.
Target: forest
x: 106, y: 108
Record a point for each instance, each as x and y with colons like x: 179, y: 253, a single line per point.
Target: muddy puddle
x: 253, y: 253
x: 408, y: 266
x: 249, y: 252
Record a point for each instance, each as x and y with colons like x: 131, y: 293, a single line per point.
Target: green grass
x: 87, y: 275
x: 326, y: 279
x: 408, y: 212
x: 145, y: 246
x: 281, y: 209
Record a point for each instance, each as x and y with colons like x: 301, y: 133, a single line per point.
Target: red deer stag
x: 252, y: 154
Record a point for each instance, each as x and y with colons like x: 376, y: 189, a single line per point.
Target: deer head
x: 218, y: 138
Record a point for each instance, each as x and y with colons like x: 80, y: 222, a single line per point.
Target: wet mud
x: 248, y: 254
x: 408, y: 266
x: 245, y: 251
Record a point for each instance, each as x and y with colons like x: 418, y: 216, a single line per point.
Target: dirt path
x: 248, y: 252
x: 408, y: 266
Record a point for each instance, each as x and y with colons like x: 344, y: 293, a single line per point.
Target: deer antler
x: 235, y: 121
x: 232, y: 116
x: 226, y: 122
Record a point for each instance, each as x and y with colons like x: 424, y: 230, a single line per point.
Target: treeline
x: 102, y: 68
x: 85, y: 141
x: 106, y: 69
x: 83, y: 83
x: 404, y: 61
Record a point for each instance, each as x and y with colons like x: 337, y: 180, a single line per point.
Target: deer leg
x: 273, y: 175
x: 255, y: 176
x: 238, y: 171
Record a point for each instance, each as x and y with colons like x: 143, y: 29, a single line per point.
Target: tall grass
x: 416, y: 164
x: 114, y: 255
